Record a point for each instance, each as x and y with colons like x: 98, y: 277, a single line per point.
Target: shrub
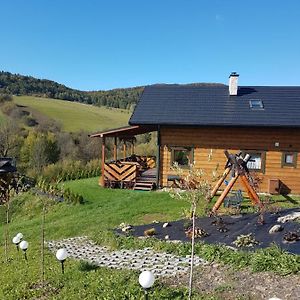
x: 69, y: 170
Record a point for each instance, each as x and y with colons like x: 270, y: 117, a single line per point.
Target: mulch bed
x: 228, y: 228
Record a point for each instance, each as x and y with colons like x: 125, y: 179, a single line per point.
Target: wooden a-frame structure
x: 237, y: 166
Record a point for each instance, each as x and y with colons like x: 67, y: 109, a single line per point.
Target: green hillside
x: 16, y: 84
x: 1, y: 117
x: 75, y: 116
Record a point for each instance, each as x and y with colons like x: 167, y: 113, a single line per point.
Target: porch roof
x: 127, y: 131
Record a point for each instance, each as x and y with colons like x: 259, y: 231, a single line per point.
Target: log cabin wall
x: 205, y: 141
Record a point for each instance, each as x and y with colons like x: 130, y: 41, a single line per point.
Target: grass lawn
x: 104, y: 210
x: 76, y: 116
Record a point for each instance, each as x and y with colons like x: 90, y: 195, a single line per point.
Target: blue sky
x: 91, y: 45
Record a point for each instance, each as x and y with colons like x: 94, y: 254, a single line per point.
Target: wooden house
x: 194, y: 122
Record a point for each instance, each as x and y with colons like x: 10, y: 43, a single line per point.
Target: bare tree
x: 193, y: 187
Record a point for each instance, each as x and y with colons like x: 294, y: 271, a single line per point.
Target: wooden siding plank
x: 216, y: 140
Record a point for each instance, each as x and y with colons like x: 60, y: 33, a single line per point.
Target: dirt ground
x: 224, y: 283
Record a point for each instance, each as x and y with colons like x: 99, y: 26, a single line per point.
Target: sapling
x: 8, y: 186
x: 196, y: 188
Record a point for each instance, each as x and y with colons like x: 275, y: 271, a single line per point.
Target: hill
x: 1, y: 117
x: 125, y: 98
x: 15, y: 84
x: 73, y: 116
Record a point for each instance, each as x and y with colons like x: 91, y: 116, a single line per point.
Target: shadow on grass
x: 290, y: 199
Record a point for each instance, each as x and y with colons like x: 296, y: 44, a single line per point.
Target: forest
x: 16, y: 84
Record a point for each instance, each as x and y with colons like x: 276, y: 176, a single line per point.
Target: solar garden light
x: 62, y: 255
x: 24, y: 246
x: 20, y: 235
x: 146, y: 280
x: 16, y: 240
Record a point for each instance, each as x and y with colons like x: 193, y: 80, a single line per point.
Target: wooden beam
x: 102, y: 180
x: 124, y: 150
x: 115, y: 149
x: 251, y: 192
x: 225, y: 193
x: 219, y: 183
x: 158, y: 158
x: 132, y: 147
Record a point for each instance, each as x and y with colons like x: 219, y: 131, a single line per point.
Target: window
x: 289, y: 159
x: 256, y: 104
x: 183, y: 156
x: 257, y: 160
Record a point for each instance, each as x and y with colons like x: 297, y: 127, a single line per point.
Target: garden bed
x: 226, y: 229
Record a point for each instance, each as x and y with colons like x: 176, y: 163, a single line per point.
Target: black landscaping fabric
x: 235, y: 226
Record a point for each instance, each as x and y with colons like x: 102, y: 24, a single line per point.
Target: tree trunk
x: 192, y: 254
x: 6, y: 231
x: 43, y: 244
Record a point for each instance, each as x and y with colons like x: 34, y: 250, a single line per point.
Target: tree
x: 9, y: 138
x: 194, y: 188
x: 39, y: 149
x: 5, y: 98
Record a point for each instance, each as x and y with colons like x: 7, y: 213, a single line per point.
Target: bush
x: 69, y: 170
x: 59, y: 192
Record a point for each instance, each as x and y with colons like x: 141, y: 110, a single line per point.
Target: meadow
x: 2, y: 118
x: 75, y: 116
x: 102, y: 211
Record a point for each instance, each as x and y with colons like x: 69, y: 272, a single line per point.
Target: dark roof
x: 6, y: 165
x: 211, y: 105
x: 124, y: 131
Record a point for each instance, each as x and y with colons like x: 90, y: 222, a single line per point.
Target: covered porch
x: 126, y: 169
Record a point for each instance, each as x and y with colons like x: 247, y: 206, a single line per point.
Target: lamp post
x: 146, y: 280
x: 16, y: 240
x: 62, y: 255
x: 24, y: 246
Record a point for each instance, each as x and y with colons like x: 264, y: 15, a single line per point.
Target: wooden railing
x: 145, y: 162
x: 116, y: 173
x: 124, y: 173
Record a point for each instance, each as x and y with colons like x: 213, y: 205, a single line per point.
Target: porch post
x: 158, y: 176
x: 132, y: 147
x: 124, y: 149
x: 115, y: 149
x: 102, y: 182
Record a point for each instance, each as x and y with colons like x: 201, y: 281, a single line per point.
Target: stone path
x: 160, y: 263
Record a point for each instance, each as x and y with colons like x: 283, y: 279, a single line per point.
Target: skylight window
x: 256, y: 104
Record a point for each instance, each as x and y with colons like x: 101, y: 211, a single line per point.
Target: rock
x: 289, y: 217
x: 275, y: 228
x: 126, y: 228
x: 260, y: 288
x: 166, y: 225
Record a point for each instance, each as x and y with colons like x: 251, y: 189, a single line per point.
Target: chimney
x: 233, y: 84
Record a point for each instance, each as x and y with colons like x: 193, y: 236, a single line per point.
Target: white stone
x: 275, y: 228
x: 289, y: 217
x: 166, y: 225
x: 126, y: 228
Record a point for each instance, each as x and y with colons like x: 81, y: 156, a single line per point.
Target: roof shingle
x: 188, y: 105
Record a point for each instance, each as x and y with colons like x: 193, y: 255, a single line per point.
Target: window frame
x: 263, y: 159
x: 261, y: 106
x: 173, y: 148
x: 284, y: 163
